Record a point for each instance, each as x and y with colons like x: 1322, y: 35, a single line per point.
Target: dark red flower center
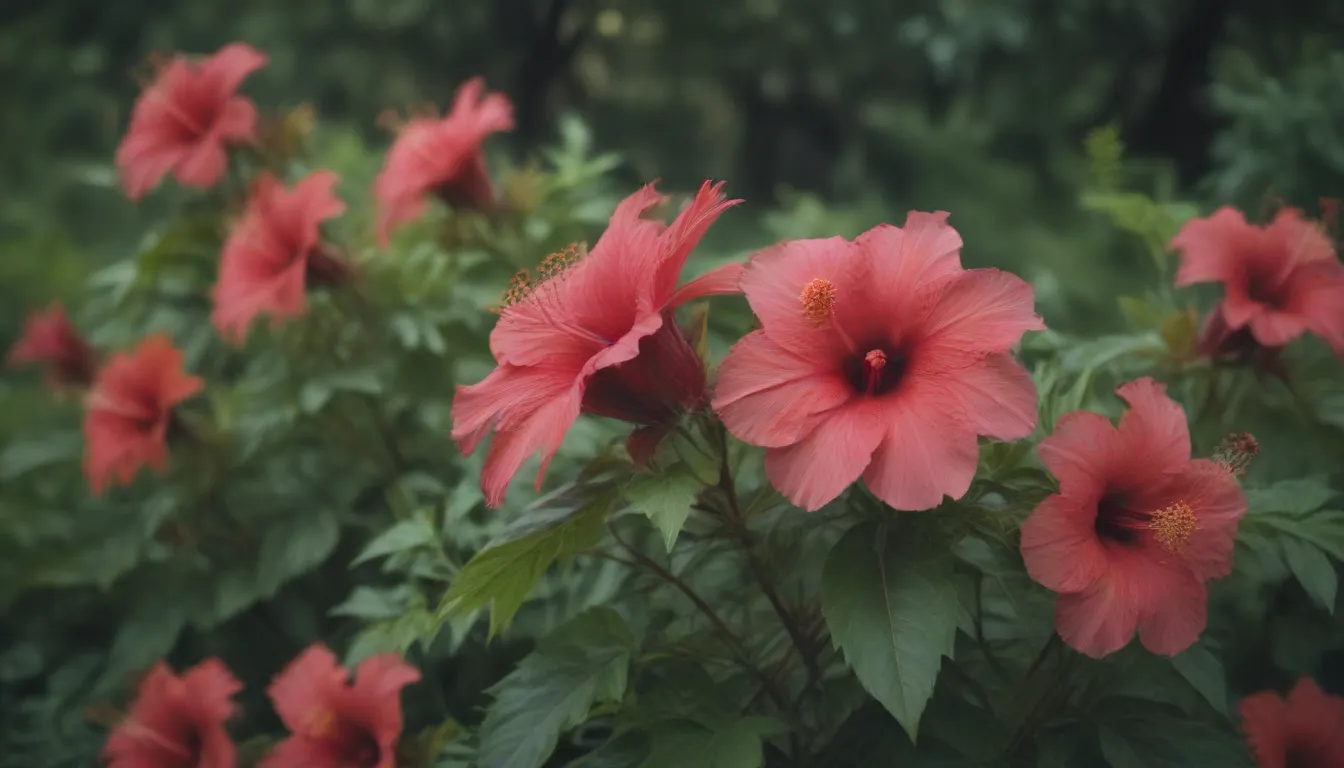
x: 1124, y: 523
x: 875, y: 372
x: 1264, y: 285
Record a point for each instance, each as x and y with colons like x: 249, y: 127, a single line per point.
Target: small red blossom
x: 129, y: 409
x: 1304, y: 731
x: 596, y: 335
x: 1280, y: 280
x: 178, y: 722
x: 879, y: 358
x: 1136, y: 529
x: 332, y: 723
x: 183, y: 121
x: 443, y: 157
x: 272, y: 252
x: 50, y: 339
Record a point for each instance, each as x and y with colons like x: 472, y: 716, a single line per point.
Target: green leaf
x: 734, y: 744
x: 317, y: 391
x: 627, y: 750
x: 1204, y: 672
x: 584, y: 662
x: 405, y: 535
x: 1142, y: 734
x: 374, y: 604
x: 22, y: 457
x: 295, y: 546
x: 1293, y: 497
x: 891, y: 605
x: 502, y: 574
x: 665, y: 499
x: 1313, y: 571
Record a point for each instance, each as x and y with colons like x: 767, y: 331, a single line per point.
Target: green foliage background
x: 357, y: 513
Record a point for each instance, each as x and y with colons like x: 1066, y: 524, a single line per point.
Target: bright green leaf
x: 891, y: 606
x: 405, y: 535
x: 502, y: 574
x: 666, y: 499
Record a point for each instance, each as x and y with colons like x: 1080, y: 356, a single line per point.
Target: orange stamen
x: 818, y: 299
x: 1173, y: 525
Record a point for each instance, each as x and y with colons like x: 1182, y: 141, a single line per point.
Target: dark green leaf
x: 666, y: 499
x: 733, y: 744
x: 22, y: 457
x: 1294, y: 497
x: 373, y: 604
x: 405, y: 535
x: 1141, y: 734
x: 891, y: 606
x: 584, y: 662
x: 295, y: 546
x: 1312, y: 569
x: 1204, y: 671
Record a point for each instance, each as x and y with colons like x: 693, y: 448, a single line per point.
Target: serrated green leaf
x: 1313, y: 571
x: 584, y: 662
x: 734, y: 744
x: 405, y: 535
x: 891, y: 606
x: 1204, y: 672
x: 502, y: 574
x: 665, y: 499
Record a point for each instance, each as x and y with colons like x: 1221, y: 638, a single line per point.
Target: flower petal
x: 927, y: 453
x: 1210, y: 246
x: 1097, y: 621
x: 226, y: 69
x: 719, y: 281
x: 1060, y: 545
x: 995, y: 396
x: 768, y: 396
x: 815, y: 470
x: 1154, y: 431
x: 1080, y: 452
x: 971, y: 313
x: 773, y: 281
x: 1264, y: 721
x: 1219, y: 504
x: 903, y: 260
x: 684, y: 233
x: 203, y: 166
x: 304, y: 692
x: 1173, y: 623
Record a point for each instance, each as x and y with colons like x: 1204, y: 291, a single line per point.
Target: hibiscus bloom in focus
x: 1304, y: 731
x: 178, y: 722
x: 129, y: 409
x: 1136, y: 529
x: 443, y: 157
x: 273, y: 251
x: 334, y: 724
x: 1279, y: 280
x: 595, y: 334
x: 182, y: 122
x: 50, y: 339
x: 879, y: 358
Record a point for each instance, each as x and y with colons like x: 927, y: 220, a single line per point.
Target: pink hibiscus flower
x: 879, y: 358
x: 185, y: 119
x: 1304, y: 731
x: 50, y: 339
x: 129, y: 409
x: 178, y: 722
x: 273, y: 251
x: 1279, y: 280
x: 332, y: 723
x: 1136, y: 529
x: 595, y: 336
x: 443, y: 157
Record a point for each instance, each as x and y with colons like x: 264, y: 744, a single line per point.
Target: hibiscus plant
x: 829, y: 502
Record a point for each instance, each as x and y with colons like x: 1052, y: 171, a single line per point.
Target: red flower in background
x: 1304, y: 731
x: 178, y: 722
x: 881, y: 358
x: 273, y: 251
x: 443, y: 157
x: 594, y: 335
x: 50, y: 339
x: 334, y: 724
x: 1280, y: 280
x: 184, y: 120
x: 129, y: 408
x: 1136, y: 529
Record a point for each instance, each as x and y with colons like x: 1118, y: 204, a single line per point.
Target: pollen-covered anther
x: 875, y: 360
x: 1173, y: 525
x: 525, y: 283
x: 818, y: 299
x: 1236, y: 452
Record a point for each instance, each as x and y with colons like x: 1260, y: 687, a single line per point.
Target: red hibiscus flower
x: 178, y: 722
x: 1305, y: 731
x: 184, y: 120
x: 334, y: 724
x: 1279, y: 280
x: 881, y: 358
x: 594, y: 335
x: 1136, y: 529
x: 442, y: 157
x: 272, y: 252
x: 129, y: 408
x: 50, y: 339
